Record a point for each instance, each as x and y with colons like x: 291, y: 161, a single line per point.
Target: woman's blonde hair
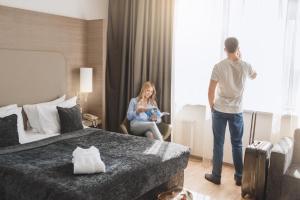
x: 152, y: 98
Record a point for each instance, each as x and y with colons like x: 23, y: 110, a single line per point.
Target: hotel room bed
x: 136, y: 168
x: 44, y: 169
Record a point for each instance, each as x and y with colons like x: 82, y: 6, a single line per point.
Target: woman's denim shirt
x: 132, y: 115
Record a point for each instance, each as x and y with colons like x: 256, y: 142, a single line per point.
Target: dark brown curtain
x: 139, y: 50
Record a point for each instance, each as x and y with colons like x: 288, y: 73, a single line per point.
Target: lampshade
x: 86, y: 79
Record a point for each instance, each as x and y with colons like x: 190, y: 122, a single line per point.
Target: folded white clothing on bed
x: 87, y: 161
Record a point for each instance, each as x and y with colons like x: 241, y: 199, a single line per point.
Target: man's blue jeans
x: 236, y: 128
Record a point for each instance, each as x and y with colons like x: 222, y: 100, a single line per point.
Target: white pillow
x: 32, y: 113
x: 48, y: 116
x: 20, y: 125
x: 5, y: 108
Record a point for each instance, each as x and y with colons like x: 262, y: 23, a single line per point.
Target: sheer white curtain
x: 197, y: 34
x: 269, y: 35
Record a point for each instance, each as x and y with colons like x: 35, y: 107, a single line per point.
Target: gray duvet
x: 44, y: 169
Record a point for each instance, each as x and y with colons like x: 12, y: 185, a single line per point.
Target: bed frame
x: 28, y: 76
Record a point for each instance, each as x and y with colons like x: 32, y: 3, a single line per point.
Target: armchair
x: 164, y: 128
x: 284, y: 171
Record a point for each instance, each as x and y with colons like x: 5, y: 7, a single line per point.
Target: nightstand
x: 92, y: 124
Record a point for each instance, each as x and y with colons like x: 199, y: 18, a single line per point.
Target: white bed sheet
x: 31, y: 136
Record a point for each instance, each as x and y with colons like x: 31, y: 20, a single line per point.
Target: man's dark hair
x: 231, y: 44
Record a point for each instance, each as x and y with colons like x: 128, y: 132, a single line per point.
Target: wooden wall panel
x: 97, y: 60
x: 82, y: 42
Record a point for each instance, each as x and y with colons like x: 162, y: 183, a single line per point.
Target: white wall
x: 82, y: 9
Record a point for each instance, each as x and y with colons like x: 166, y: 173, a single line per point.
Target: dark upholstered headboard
x: 28, y: 77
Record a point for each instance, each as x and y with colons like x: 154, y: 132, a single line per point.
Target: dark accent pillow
x: 9, y: 131
x: 70, y: 119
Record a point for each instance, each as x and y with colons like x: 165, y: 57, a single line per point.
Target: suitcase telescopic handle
x: 252, y: 128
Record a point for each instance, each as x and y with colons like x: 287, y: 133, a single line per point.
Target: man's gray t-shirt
x: 231, y: 77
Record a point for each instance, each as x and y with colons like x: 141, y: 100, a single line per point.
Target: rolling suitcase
x: 256, y: 163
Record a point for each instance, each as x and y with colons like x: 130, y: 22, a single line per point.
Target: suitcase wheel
x: 244, y: 194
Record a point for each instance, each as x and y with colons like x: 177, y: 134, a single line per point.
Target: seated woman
x: 143, y: 113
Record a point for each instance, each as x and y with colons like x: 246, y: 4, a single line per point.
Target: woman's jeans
x: 145, y: 128
x: 236, y: 128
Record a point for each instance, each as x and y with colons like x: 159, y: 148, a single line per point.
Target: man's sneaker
x: 213, y: 179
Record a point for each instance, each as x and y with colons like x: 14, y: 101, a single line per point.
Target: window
x: 269, y: 35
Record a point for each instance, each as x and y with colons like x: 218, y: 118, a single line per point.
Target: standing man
x: 230, y: 75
